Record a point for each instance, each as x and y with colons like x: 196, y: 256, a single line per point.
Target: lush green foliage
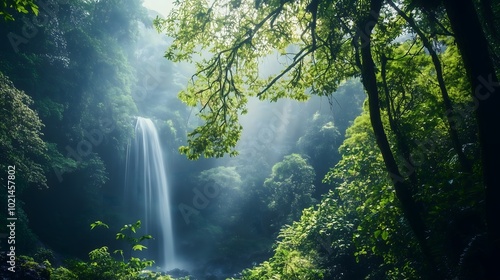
x: 290, y: 189
x: 285, y: 265
x: 20, y: 136
x: 73, y: 64
x: 9, y: 7
x: 421, y: 131
x: 102, y: 264
x: 21, y: 148
x: 357, y: 230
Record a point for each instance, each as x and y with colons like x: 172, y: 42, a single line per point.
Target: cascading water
x: 147, y: 194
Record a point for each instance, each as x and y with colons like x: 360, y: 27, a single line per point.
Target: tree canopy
x: 402, y: 50
x: 290, y: 188
x: 20, y: 131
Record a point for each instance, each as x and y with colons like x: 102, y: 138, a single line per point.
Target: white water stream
x: 147, y: 194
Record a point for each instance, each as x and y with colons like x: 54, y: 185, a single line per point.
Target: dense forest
x: 250, y: 139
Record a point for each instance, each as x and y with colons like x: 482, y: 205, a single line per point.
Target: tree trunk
x: 489, y: 19
x: 402, y: 188
x: 401, y: 142
x: 485, y: 91
x: 450, y: 112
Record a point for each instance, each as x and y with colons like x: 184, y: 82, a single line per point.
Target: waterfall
x: 147, y: 194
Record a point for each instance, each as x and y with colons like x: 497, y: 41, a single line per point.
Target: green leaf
x: 385, y: 235
x: 98, y: 224
x: 120, y: 236
x: 144, y: 237
x: 125, y: 227
x: 139, y: 247
x: 34, y: 8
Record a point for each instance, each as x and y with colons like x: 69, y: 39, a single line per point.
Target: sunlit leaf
x: 138, y: 247
x: 98, y: 224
